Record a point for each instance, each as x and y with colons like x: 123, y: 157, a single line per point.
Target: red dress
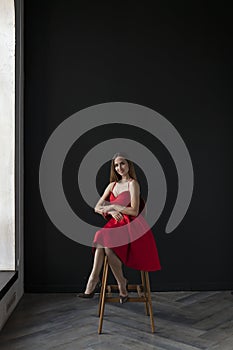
x: 131, y: 238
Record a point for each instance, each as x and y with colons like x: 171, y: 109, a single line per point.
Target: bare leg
x: 116, y: 267
x: 97, y: 266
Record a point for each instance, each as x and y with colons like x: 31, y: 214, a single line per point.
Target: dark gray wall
x: 175, y: 59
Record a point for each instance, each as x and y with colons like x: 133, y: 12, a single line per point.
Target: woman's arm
x: 134, y: 199
x: 99, y: 208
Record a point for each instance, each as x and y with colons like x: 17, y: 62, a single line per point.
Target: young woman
x: 138, y: 249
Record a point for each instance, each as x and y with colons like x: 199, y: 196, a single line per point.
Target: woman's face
x: 121, y: 166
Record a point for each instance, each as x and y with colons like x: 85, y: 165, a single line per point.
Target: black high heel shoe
x: 90, y: 295
x: 124, y: 298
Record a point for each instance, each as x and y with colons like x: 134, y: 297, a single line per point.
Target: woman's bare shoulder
x: 107, y: 190
x: 110, y: 185
x: 134, y: 184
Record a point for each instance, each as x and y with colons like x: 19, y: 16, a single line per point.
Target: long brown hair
x: 114, y: 176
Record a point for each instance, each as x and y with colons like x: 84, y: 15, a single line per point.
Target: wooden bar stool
x: 142, y: 289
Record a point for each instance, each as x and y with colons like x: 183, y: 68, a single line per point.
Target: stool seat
x: 142, y: 289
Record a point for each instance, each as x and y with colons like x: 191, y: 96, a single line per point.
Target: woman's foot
x: 123, y: 291
x: 123, y: 299
x: 91, y: 288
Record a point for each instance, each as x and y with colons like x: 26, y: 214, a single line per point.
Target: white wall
x: 7, y: 135
x: 11, y: 151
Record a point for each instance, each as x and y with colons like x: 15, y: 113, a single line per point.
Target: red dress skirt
x: 131, y: 238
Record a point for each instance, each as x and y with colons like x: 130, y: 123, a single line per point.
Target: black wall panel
x: 173, y: 58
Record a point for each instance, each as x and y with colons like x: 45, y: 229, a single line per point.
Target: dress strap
x: 129, y: 182
x: 113, y: 186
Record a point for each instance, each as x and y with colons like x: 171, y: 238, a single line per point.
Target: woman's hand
x: 106, y: 216
x: 116, y: 215
x: 107, y: 208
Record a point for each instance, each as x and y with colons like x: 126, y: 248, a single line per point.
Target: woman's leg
x: 97, y: 266
x: 116, y: 267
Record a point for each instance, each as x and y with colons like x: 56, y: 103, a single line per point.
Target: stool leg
x: 144, y: 291
x: 103, y: 298
x: 150, y: 302
x: 102, y: 284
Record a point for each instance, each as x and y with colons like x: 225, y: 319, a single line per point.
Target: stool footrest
x: 131, y: 287
x: 129, y: 300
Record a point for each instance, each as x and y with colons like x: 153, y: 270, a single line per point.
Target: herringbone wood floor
x: 184, y: 321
